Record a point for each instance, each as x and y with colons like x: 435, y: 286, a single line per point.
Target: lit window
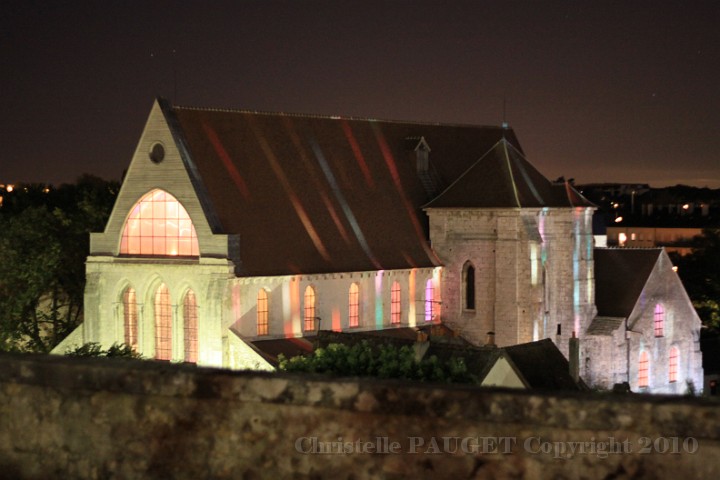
x: 354, y: 306
x: 309, y: 309
x: 163, y: 324
x: 130, y: 317
x: 395, y: 305
x: 659, y: 320
x: 262, y: 312
x: 643, y: 370
x: 159, y: 225
x: 429, y: 300
x: 673, y: 367
x: 622, y: 239
x: 469, y: 286
x: 191, y: 328
x: 633, y: 236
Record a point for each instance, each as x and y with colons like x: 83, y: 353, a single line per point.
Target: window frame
x: 309, y: 302
x: 644, y: 370
x: 263, y: 310
x: 190, y: 327
x: 395, y: 303
x: 354, y: 305
x: 162, y: 314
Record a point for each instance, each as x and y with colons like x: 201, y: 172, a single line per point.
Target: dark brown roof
x: 620, y: 276
x: 288, y: 347
x: 503, y: 177
x: 310, y: 194
x: 543, y: 365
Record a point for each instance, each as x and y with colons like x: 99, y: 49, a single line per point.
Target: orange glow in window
x: 354, y: 306
x: 309, y: 309
x: 643, y: 370
x: 395, y: 305
x: 159, y: 225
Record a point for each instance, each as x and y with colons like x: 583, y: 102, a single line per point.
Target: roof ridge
x: 334, y: 117
x: 470, y: 168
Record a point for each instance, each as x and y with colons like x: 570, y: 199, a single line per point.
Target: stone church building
x: 235, y: 226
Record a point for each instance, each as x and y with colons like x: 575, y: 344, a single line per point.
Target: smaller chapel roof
x: 620, y: 276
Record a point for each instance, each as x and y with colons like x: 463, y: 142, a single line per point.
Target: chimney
x: 490, y: 342
x: 574, y: 357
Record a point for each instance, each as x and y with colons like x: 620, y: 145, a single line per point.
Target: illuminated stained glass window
x: 659, y: 320
x: 159, y: 225
x: 262, y: 312
x: 130, y: 318
x: 190, y: 324
x: 395, y: 303
x: 163, y: 324
x: 309, y: 309
x: 429, y: 300
x: 354, y: 306
x: 643, y: 370
x: 673, y: 367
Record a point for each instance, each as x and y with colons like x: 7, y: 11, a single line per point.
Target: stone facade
x: 108, y: 418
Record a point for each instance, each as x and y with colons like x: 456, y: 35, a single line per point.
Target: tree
x: 43, y: 245
x: 364, y: 359
x: 700, y: 273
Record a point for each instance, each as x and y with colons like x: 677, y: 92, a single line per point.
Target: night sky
x: 601, y: 91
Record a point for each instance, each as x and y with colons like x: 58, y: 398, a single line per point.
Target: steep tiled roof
x: 543, y: 365
x: 503, y: 177
x: 310, y: 194
x: 620, y: 275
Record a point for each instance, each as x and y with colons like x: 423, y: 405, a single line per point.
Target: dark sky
x: 601, y: 91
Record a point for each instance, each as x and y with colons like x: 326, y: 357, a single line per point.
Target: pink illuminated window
x: 354, y: 306
x: 159, y: 225
x: 673, y: 367
x: 163, y: 324
x: 429, y: 300
x: 643, y: 370
x: 395, y: 303
x: 262, y: 312
x: 130, y: 318
x: 659, y: 320
x: 309, y: 309
x: 190, y: 326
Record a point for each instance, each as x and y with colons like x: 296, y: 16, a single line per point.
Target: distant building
x: 233, y: 227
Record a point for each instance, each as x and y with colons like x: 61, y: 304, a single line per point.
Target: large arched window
x: 468, y: 286
x: 354, y: 306
x: 395, y: 303
x: 673, y: 366
x: 429, y: 300
x: 659, y: 320
x: 159, y: 225
x: 262, y: 312
x: 309, y: 309
x: 130, y: 318
x: 190, y: 327
x: 163, y: 324
x: 643, y: 370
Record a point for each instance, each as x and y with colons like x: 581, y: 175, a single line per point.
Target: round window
x: 157, y: 153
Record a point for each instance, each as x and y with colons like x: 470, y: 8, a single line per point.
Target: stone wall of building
x: 64, y: 417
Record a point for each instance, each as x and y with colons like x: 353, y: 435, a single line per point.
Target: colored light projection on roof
x: 343, y: 203
x: 295, y: 201
x: 159, y: 225
x: 357, y: 153
x: 315, y: 179
x: 227, y: 161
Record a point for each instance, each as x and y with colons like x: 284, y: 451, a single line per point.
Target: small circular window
x: 157, y: 153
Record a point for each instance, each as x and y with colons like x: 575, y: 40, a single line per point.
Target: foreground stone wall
x: 97, y: 418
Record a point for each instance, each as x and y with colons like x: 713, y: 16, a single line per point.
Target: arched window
x: 190, y: 326
x: 130, y: 318
x: 262, y: 312
x: 159, y: 225
x: 309, y: 309
x: 659, y: 320
x: 429, y: 300
x: 673, y: 367
x: 468, y: 286
x: 395, y: 303
x: 354, y: 306
x: 163, y: 324
x: 643, y: 370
